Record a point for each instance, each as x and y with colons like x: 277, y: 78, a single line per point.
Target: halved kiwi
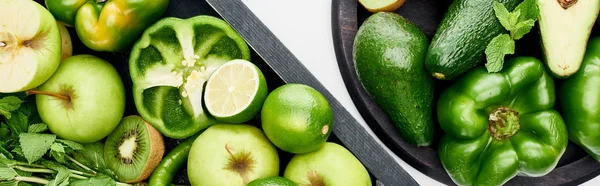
x: 133, y: 149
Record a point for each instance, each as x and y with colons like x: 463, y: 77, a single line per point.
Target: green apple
x: 83, y: 101
x: 66, y: 44
x: 231, y: 155
x: 30, y: 48
x: 332, y: 164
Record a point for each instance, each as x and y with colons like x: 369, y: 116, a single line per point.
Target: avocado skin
x: 462, y: 36
x: 389, y: 55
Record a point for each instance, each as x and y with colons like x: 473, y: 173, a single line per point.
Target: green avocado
x: 389, y: 55
x: 461, y: 38
x: 565, y: 27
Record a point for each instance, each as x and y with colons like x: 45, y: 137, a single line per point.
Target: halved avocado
x: 565, y: 26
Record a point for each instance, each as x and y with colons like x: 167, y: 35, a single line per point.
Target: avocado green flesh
x: 462, y: 36
x: 565, y: 33
x: 389, y: 54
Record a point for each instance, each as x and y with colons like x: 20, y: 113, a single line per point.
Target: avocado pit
x: 566, y: 3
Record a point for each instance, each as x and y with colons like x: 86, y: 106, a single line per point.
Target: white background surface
x: 304, y: 26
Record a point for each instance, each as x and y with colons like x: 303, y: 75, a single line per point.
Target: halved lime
x: 235, y: 92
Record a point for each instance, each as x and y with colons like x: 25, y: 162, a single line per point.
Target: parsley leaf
x: 37, y: 128
x: 495, y: 51
x: 34, y: 146
x: 9, y: 104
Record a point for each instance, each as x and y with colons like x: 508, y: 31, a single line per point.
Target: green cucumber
x: 462, y: 36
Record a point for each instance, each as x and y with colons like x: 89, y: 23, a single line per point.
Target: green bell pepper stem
x: 580, y: 102
x: 111, y: 25
x: 501, y: 124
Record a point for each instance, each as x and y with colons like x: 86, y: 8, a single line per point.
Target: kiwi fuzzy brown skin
x: 156, y: 149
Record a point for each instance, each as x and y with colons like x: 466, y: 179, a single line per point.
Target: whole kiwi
x: 133, y: 149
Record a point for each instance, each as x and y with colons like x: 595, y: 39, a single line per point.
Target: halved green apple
x: 30, y: 45
x: 565, y: 26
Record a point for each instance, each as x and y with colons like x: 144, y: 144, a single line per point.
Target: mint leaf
x: 495, y: 51
x: 62, y: 176
x: 57, y: 147
x: 9, y: 104
x: 10, y: 183
x: 521, y: 29
x: 18, y: 151
x: 7, y: 173
x: 37, y: 128
x: 57, y: 151
x: 92, y: 155
x: 502, y: 14
x: 35, y: 145
x: 513, y: 19
x: 18, y: 123
x: 98, y: 180
x: 59, y: 157
x: 5, y: 154
x: 71, y: 144
x: 529, y: 10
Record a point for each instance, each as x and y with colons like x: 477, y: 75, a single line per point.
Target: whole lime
x: 272, y: 181
x: 297, y: 118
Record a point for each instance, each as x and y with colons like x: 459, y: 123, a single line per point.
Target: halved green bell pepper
x: 501, y: 124
x: 108, y: 25
x: 169, y: 66
x: 580, y: 102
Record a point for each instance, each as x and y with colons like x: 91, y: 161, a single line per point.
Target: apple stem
x: 66, y: 98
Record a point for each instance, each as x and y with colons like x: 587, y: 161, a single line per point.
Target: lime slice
x: 235, y: 92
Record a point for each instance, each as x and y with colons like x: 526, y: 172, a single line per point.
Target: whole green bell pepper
x: 500, y: 124
x: 169, y: 66
x: 580, y: 102
x: 108, y: 25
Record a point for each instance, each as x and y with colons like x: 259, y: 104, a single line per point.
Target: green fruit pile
x: 63, y: 121
x: 498, y: 117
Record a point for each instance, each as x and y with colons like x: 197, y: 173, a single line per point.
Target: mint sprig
x: 518, y: 23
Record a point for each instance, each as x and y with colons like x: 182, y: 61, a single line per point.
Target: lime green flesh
x: 565, y: 33
x: 232, y: 88
x: 119, y: 152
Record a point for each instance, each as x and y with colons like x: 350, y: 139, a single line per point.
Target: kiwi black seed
x: 133, y: 149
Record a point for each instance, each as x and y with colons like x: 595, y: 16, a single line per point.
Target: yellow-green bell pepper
x: 108, y: 25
